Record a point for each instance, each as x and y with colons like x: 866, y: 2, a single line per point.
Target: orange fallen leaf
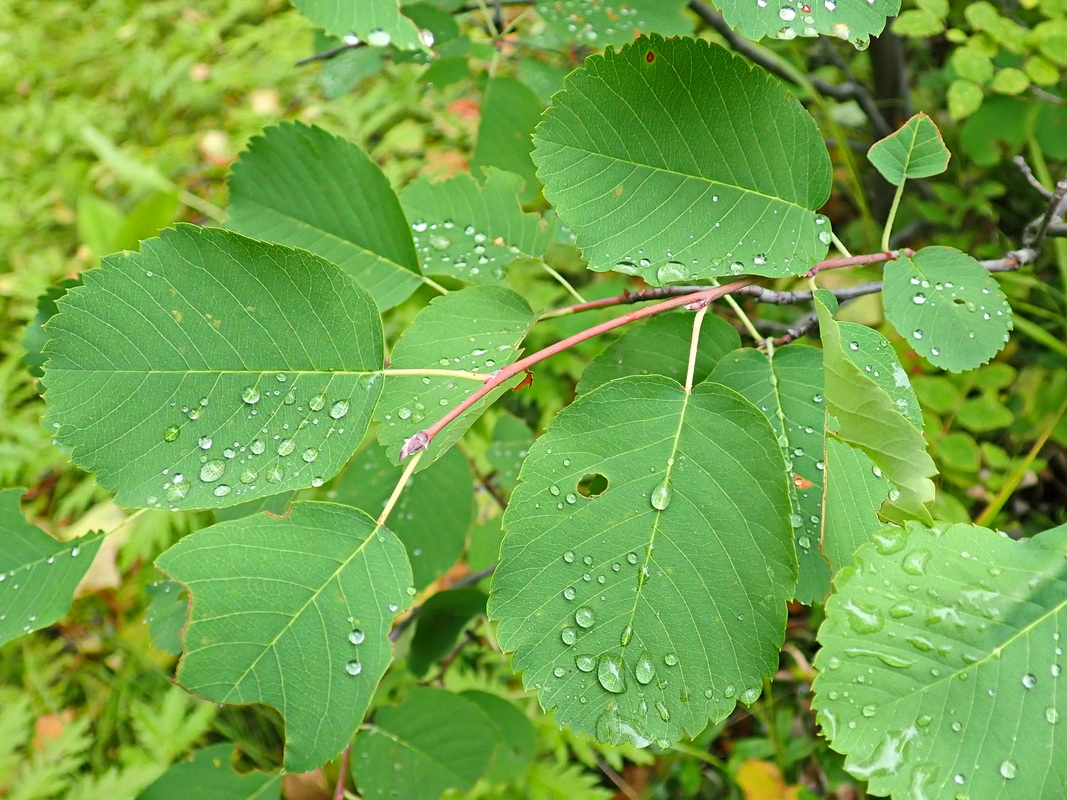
x: 761, y: 780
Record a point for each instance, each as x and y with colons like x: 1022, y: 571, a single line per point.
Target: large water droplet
x: 569, y: 636
x: 919, y: 298
x: 915, y: 562
x: 221, y: 490
x: 645, y: 670
x: 379, y: 38
x: 610, y: 673
x: 661, y: 496
x: 310, y: 454
x: 286, y: 447
x: 1029, y: 680
x: 339, y: 409
x: 204, y: 442
x: 670, y: 659
x: 1008, y: 769
x: 569, y: 593
x: 661, y: 709
x: 585, y: 663
x: 787, y: 13
x: 212, y: 470
x: 353, y: 667
x: 275, y: 474
x: 258, y: 447
x: 862, y: 618
x: 585, y: 617
x: 626, y: 636
x: 357, y: 636
x: 171, y: 433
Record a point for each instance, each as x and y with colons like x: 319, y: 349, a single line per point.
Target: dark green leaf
x: 510, y: 112
x: 507, y: 450
x: 168, y: 606
x: 208, y: 774
x: 444, y: 616
x: 293, y: 612
x: 915, y: 151
x: 517, y: 736
x: 211, y: 369
x: 679, y: 179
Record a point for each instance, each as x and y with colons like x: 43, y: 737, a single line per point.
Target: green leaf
x: 660, y: 346
x: 788, y: 390
x: 610, y: 22
x: 868, y: 418
x: 208, y: 773
x: 510, y: 112
x: 690, y: 188
x: 307, y: 188
x: 443, y: 617
x: 916, y: 150
x: 293, y: 612
x: 643, y: 612
x: 476, y: 330
x: 918, y: 23
x: 433, y: 741
x: 211, y: 369
x: 507, y: 450
x: 168, y: 605
x: 432, y: 515
x: 855, y: 490
x: 38, y: 575
x: 472, y: 231
x: 964, y: 98
x: 972, y: 64
x: 377, y: 22
x: 940, y: 663
x: 984, y: 414
x: 516, y: 734
x: 948, y: 307
x: 787, y: 19
x: 959, y: 451
x: 872, y: 353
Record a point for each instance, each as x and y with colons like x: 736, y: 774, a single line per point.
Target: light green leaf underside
x: 660, y: 346
x: 510, y: 111
x: 305, y: 187
x: 948, y: 307
x: 208, y: 773
x: 211, y: 369
x: 610, y: 21
x: 662, y: 170
x: 432, y: 515
x: 370, y: 20
x: 941, y: 664
x: 788, y: 389
x: 285, y: 610
x: 855, y: 490
x: 854, y: 20
x: 472, y: 231
x: 434, y: 741
x: 872, y: 353
x: 473, y: 330
x: 639, y: 623
x: 915, y: 151
x: 868, y: 418
x: 38, y: 575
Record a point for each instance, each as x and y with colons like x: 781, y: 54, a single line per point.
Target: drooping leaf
x: 211, y: 369
x: 432, y: 515
x: 442, y: 619
x: 377, y: 22
x: 948, y: 307
x: 208, y: 773
x: 644, y: 611
x: 915, y: 151
x: 660, y: 346
x: 293, y: 612
x: 433, y: 741
x: 786, y: 19
x: 872, y: 353
x: 788, y: 389
x: 506, y: 452
x: 470, y: 230
x: 679, y: 179
x: 510, y: 112
x: 941, y: 662
x: 516, y: 736
x: 305, y: 187
x: 168, y: 605
x: 868, y: 418
x: 476, y: 330
x: 610, y: 21
x: 855, y: 490
x: 38, y: 575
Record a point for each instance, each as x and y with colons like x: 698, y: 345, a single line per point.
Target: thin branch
x: 617, y: 779
x: 1039, y: 187
x: 467, y: 580
x: 1036, y: 231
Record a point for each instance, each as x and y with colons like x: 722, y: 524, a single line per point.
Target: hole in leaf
x: 592, y: 484
x: 959, y: 301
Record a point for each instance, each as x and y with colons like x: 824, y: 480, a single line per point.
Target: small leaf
x: 517, y: 738
x: 38, y: 575
x: 855, y: 490
x: 788, y: 389
x: 472, y: 231
x: 293, y: 612
x: 379, y: 23
x: 476, y: 330
x: 940, y: 663
x: 948, y: 307
x: 610, y: 22
x: 964, y: 98
x: 620, y: 184
x: 442, y: 619
x: 868, y: 418
x: 660, y: 346
x: 431, y: 516
x: 507, y: 450
x: 510, y: 112
x: 856, y: 22
x: 211, y: 369
x: 644, y: 612
x: 433, y: 741
x: 307, y: 188
x: 208, y: 772
x: 915, y: 151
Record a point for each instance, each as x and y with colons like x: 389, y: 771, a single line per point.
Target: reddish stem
x: 339, y: 790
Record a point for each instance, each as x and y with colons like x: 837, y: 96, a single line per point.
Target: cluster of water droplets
x: 813, y: 18
x: 276, y: 451
x: 356, y: 637
x: 931, y: 296
x: 585, y: 22
x: 17, y: 578
x: 450, y: 248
